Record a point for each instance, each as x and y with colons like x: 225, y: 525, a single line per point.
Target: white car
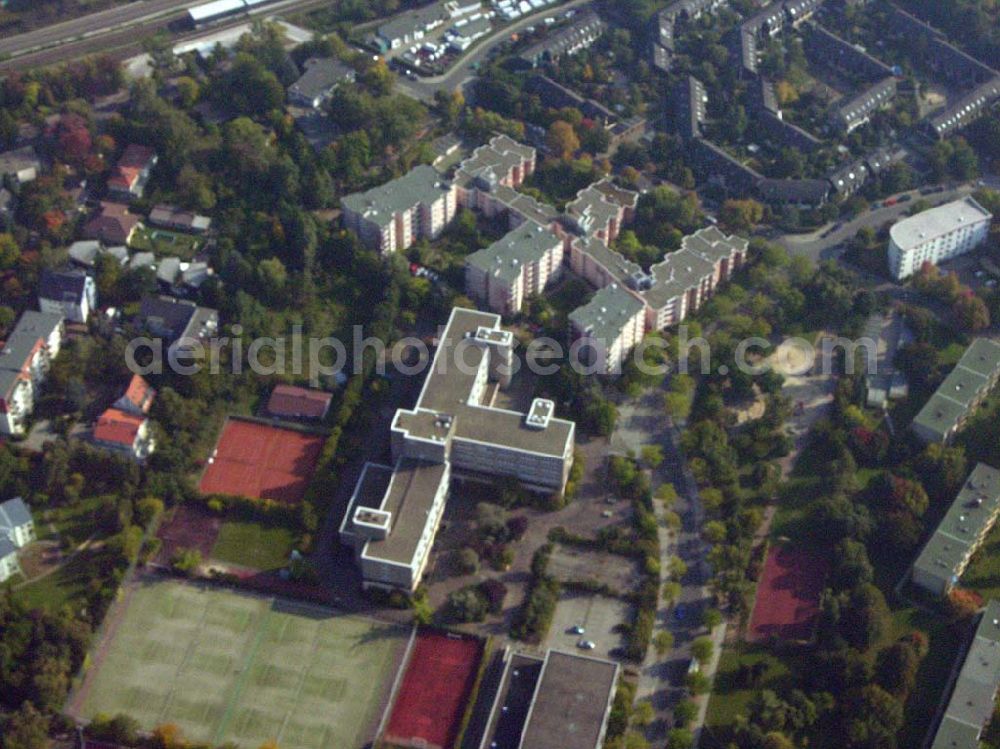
x: 577, y: 630
x: 586, y: 645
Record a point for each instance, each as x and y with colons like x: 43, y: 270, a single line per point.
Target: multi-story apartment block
x: 519, y: 266
x: 393, y: 216
x: 25, y: 360
x: 452, y: 432
x: 608, y: 327
x: 961, y: 393
x: 823, y: 45
x: 974, y: 695
x: 579, y: 35
x: 961, y: 532
x: 936, y: 235
x: 601, y: 210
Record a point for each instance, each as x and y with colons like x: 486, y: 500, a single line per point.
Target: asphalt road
x: 641, y: 422
x: 818, y: 247
x: 461, y: 72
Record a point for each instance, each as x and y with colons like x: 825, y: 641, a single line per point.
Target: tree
x: 702, y: 649
x: 896, y: 670
x: 680, y: 738
x: 186, y: 561
x: 663, y: 642
x: 712, y: 618
x: 741, y: 215
x: 652, y: 456
x: 26, y: 728
x: 971, y: 312
x: 877, y: 717
x: 671, y: 591
x: 168, y: 736
x: 10, y: 253
x: 468, y: 561
x: 697, y: 683
x: 562, y: 140
x: 776, y: 740
x: 685, y: 712
x: 643, y: 714
x: 963, y: 604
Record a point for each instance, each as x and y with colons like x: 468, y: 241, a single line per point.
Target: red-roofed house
x: 138, y: 397
x: 290, y: 402
x: 124, y: 433
x: 112, y: 225
x: 131, y: 173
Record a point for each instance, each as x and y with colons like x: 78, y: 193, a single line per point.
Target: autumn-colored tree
x: 971, y: 312
x: 562, y: 140
x: 168, y: 736
x: 741, y: 215
x: 963, y: 604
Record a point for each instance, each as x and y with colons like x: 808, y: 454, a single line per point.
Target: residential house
x: 19, y: 166
x: 112, y: 225
x: 70, y: 293
x: 291, y: 402
x: 320, y: 78
x: 16, y: 531
x: 16, y: 522
x: 579, y: 35
x: 138, y: 397
x: 690, y: 107
x: 131, y: 173
x: 964, y: 111
x: 124, y: 433
x: 25, y: 360
x: 181, y: 324
x: 171, y: 217
x: 801, y: 193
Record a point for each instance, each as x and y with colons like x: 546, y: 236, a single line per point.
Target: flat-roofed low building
x: 973, y: 698
x: 936, y: 235
x: 608, y: 327
x: 391, y: 217
x: 452, y: 431
x: 393, y: 518
x: 960, y: 533
x: 520, y: 265
x: 572, y: 703
x: 556, y: 701
x: 961, y: 393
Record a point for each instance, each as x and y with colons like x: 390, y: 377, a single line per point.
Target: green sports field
x: 225, y: 666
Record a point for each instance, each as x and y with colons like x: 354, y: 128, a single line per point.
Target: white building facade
x: 936, y: 235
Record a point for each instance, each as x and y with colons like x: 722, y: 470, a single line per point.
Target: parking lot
x: 571, y: 564
x: 601, y: 618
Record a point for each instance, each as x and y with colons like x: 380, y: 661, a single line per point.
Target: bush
x: 468, y: 561
x: 702, y: 649
x: 466, y: 605
x: 495, y: 592
x: 185, y: 561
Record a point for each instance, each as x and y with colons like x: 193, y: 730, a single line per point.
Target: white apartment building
x: 452, y: 431
x: 25, y: 360
x: 522, y: 264
x: 936, y: 235
x: 393, y: 216
x: 607, y: 328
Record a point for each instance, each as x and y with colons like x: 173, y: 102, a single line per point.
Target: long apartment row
x: 542, y: 242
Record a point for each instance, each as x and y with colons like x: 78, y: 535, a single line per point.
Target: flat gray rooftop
x: 507, y: 257
x: 951, y: 400
x: 571, y: 702
x: 422, y: 184
x: 604, y: 315
x: 928, y: 225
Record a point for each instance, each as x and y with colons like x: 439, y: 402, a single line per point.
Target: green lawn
x: 252, y: 544
x: 729, y: 699
x: 231, y: 667
x: 162, y: 242
x: 68, y: 585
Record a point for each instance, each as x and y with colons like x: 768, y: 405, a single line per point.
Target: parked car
x: 577, y: 630
x: 586, y: 644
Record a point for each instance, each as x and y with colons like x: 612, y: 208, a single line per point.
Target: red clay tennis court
x: 788, y: 595
x: 435, y: 690
x: 262, y: 462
